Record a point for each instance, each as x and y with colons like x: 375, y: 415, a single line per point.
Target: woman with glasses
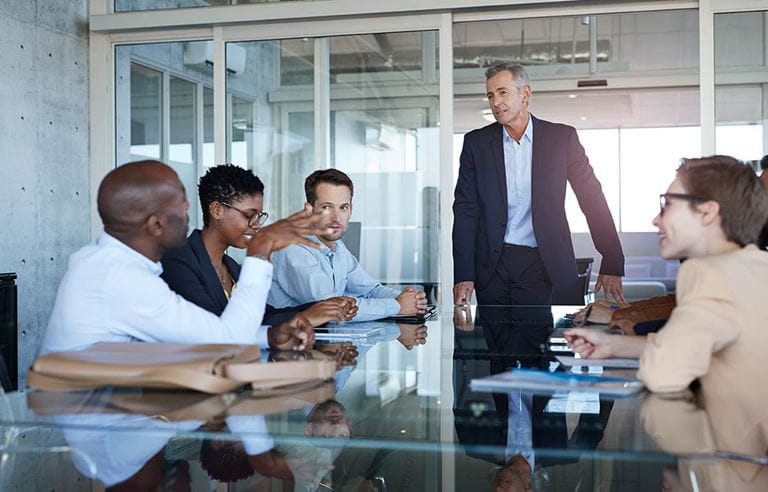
x: 711, y: 215
x: 232, y: 201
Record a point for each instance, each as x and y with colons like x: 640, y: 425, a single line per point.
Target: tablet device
x: 430, y: 312
x: 345, y: 332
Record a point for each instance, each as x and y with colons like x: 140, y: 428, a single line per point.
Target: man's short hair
x: 764, y: 163
x: 518, y: 72
x: 225, y: 184
x: 330, y: 176
x: 735, y: 187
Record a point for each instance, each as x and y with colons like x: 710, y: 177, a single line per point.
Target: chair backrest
x: 635, y: 290
x: 352, y: 239
x: 584, y: 270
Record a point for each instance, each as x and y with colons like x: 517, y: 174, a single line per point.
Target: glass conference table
x: 402, y: 417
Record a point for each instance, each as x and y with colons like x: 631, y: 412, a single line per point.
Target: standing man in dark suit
x: 511, y: 239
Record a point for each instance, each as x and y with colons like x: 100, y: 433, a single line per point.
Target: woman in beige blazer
x: 711, y: 214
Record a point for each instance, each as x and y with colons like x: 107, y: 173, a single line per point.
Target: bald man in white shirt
x: 112, y: 291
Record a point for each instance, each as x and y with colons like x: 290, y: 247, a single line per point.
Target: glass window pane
x: 741, y: 91
x: 649, y: 159
x: 554, y: 45
x: 183, y: 121
x: 242, y: 126
x: 297, y: 61
x: 272, y: 128
x: 602, y: 148
x: 145, y: 112
x: 642, y: 41
x: 382, y: 131
x: 739, y: 39
x: 558, y: 47
x: 384, y: 134
x: 157, y: 109
x: 208, y: 152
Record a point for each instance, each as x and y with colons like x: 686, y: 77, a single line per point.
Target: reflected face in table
x: 329, y: 419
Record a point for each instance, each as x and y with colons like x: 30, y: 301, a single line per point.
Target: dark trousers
x: 520, y: 279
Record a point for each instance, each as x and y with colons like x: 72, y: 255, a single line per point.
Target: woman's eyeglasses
x: 664, y: 197
x: 255, y: 219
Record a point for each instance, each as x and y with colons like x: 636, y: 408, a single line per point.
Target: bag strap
x: 281, y: 373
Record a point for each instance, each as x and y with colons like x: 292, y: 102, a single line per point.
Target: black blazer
x: 189, y: 272
x: 480, y: 207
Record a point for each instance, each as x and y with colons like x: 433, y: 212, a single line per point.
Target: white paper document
x: 617, y: 363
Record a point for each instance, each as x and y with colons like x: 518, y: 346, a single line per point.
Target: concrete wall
x: 44, y: 173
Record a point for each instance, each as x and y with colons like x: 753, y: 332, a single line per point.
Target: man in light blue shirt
x: 303, y: 274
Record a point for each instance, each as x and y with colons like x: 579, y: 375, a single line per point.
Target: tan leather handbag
x: 210, y: 368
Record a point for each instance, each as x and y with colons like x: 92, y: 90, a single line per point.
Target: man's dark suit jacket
x: 188, y: 271
x: 480, y: 207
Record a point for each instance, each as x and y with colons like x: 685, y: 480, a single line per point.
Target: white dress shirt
x: 518, y: 163
x: 113, y: 293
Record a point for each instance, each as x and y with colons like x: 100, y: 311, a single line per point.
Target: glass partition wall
x: 741, y: 91
x: 380, y: 128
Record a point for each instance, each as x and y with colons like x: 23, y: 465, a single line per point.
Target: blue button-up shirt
x: 517, y: 164
x: 303, y: 274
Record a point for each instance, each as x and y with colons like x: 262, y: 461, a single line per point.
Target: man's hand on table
x: 336, y: 309
x: 611, y: 287
x: 412, y: 301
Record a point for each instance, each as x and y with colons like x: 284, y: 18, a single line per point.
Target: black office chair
x: 584, y: 269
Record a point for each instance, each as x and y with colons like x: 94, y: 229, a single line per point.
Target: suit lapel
x: 538, y: 161
x: 497, y: 148
x: 211, y: 280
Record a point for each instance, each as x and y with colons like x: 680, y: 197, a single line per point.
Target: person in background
x: 305, y: 274
x: 112, y: 290
x: 711, y: 215
x: 232, y: 201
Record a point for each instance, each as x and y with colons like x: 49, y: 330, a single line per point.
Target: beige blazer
x: 718, y: 334
x: 680, y: 427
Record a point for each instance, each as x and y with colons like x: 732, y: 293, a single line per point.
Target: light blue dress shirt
x: 303, y: 274
x: 517, y: 165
